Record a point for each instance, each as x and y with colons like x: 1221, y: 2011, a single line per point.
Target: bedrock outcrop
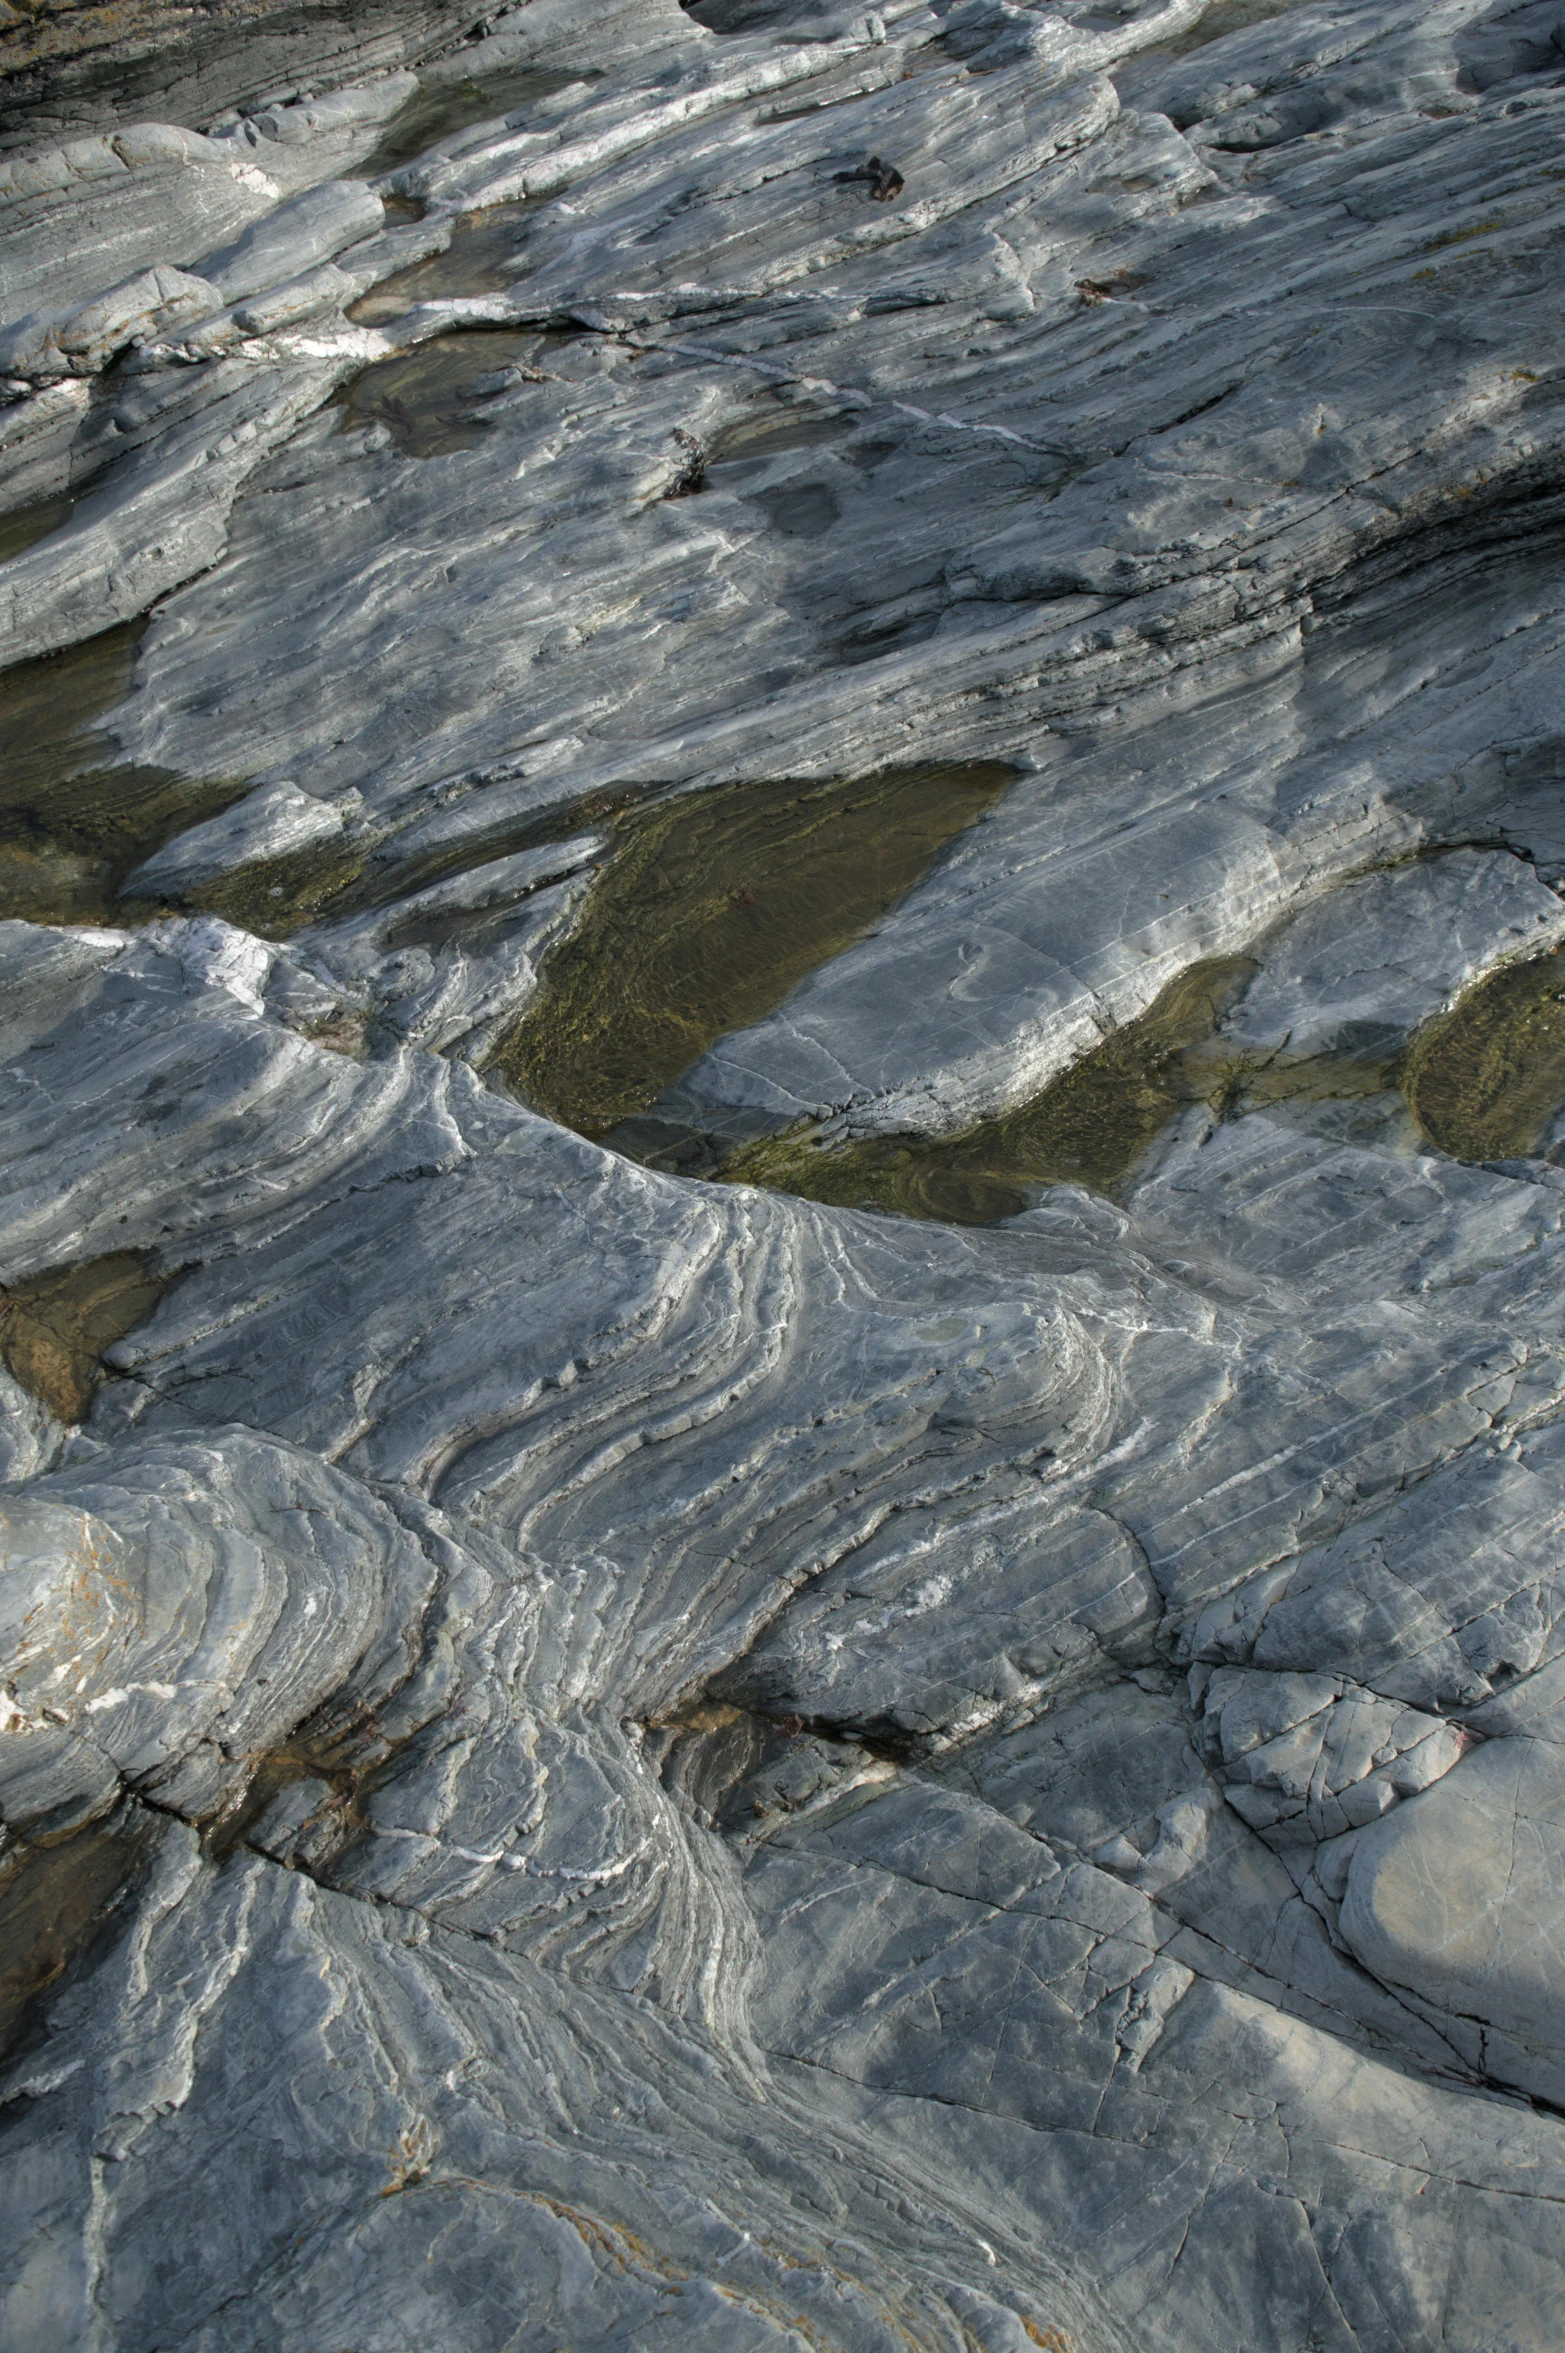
x: 920, y: 1701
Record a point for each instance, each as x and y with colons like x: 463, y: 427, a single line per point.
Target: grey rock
x: 81, y: 342
x: 309, y: 229
x: 1457, y: 1897
x: 45, y: 976
x: 76, y: 219
x: 316, y: 138
x: 163, y: 510
x: 1435, y: 925
x: 616, y: 2121
x: 592, y: 1758
x: 267, y: 823
x: 89, y: 76
x: 159, y: 1636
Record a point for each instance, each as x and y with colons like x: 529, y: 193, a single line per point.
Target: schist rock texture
x: 782, y: 1211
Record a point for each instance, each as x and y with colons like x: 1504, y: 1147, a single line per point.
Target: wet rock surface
x: 782, y: 1363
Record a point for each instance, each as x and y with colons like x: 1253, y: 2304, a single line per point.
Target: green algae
x: 1482, y: 1081
x: 711, y: 907
x: 72, y: 824
x: 1090, y: 1127
x: 1485, y: 1079
x: 275, y: 897
x: 383, y: 886
x: 330, y: 881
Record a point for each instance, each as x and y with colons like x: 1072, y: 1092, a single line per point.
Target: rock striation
x: 693, y: 1744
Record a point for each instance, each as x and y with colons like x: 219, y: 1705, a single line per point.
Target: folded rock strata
x: 589, y: 1756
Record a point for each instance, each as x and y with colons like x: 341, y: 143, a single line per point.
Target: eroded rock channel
x: 782, y: 1376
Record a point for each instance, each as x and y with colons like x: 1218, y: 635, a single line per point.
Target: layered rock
x: 593, y: 1756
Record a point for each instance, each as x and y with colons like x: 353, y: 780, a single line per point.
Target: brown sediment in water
x: 23, y: 527
x: 71, y: 825
x: 1090, y: 1127
x: 712, y: 907
x: 1228, y: 16
x: 1485, y: 1079
x: 438, y: 110
x: 425, y: 396
x: 484, y: 254
x: 1482, y: 1081
x: 55, y: 1327
x: 55, y: 1900
x: 1093, y: 1126
x: 275, y: 897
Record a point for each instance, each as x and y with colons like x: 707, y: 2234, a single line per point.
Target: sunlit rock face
x: 782, y: 1353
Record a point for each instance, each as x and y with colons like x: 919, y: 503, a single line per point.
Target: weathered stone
x: 268, y: 822
x: 1460, y: 1897
x: 592, y: 1757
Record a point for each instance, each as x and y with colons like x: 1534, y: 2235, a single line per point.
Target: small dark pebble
x: 885, y: 181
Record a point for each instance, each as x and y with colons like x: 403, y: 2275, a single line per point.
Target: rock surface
x: 595, y: 1758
